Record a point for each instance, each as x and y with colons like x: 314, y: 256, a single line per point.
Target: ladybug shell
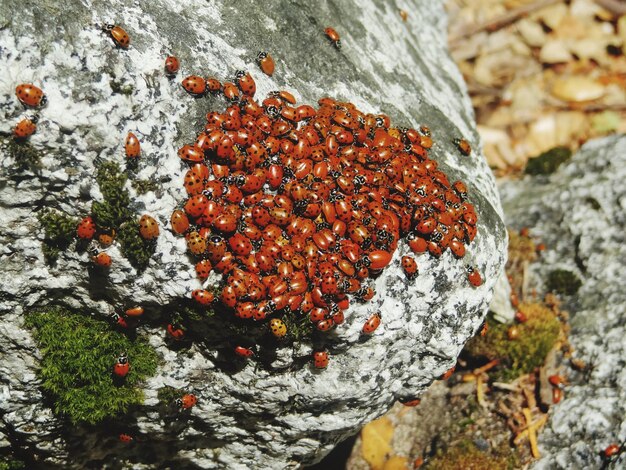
x: 409, y: 265
x: 119, y: 36
x: 132, y: 146
x: 203, y: 297
x: 188, y: 400
x: 102, y: 259
x: 320, y: 359
x: 86, y: 228
x: 148, y: 227
x: 474, y: 277
x: 134, y: 312
x: 194, y: 84
x: 25, y: 128
x: 371, y: 324
x: 179, y: 222
x: 278, y: 328
x: 176, y: 333
x: 121, y: 369
x: 333, y: 36
x: 171, y: 65
x: 126, y: 438
x: 243, y: 352
x: 463, y: 146
x: 266, y: 63
x: 30, y: 95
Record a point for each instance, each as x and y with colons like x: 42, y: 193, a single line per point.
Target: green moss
x: 465, y: 455
x: 114, y: 210
x: 122, y: 88
x: 137, y: 250
x: 168, y: 394
x: 548, y: 162
x: 144, y: 186
x: 8, y: 463
x: 563, y: 282
x: 78, y: 357
x: 299, y: 327
x: 537, y: 336
x: 25, y: 155
x: 60, y: 230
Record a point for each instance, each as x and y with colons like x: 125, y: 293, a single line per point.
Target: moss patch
x: 537, y: 337
x: 137, y: 250
x: 25, y: 155
x: 114, y: 210
x: 563, y: 282
x: 60, y: 230
x: 8, y: 463
x: 144, y: 186
x: 168, y: 394
x: 78, y: 357
x: 465, y: 455
x: 548, y: 162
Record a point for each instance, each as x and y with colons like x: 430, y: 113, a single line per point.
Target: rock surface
x: 249, y: 418
x: 579, y: 213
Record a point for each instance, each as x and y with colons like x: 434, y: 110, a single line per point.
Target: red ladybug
x: 410, y: 266
x: 244, y: 352
x: 266, y: 63
x: 102, y: 259
x: 171, y: 65
x: 246, y: 83
x: 463, y: 146
x: 119, y: 36
x: 179, y: 222
x: 134, y: 312
x: 411, y: 402
x: 203, y: 297
x: 122, y: 366
x: 213, y: 85
x: 194, y: 84
x: 30, y: 95
x: 320, y: 359
x: 25, y: 128
x: 474, y: 276
x: 371, y: 324
x: 148, y: 227
x: 187, y: 401
x: 86, y: 228
x: 175, y: 332
x: 126, y: 438
x: 119, y: 320
x: 611, y: 451
x: 333, y: 36
x: 132, y: 146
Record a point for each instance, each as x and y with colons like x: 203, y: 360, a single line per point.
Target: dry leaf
x: 554, y: 51
x: 531, y: 32
x: 397, y: 462
x: 375, y: 438
x: 577, y: 89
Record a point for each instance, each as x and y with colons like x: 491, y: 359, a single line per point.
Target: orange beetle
x: 171, y: 65
x: 132, y: 146
x: 119, y: 36
x: 134, y: 312
x: 30, y: 95
x: 266, y: 63
x: 25, y: 128
x: 333, y: 36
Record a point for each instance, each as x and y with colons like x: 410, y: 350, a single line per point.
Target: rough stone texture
x: 579, y: 213
x: 249, y: 418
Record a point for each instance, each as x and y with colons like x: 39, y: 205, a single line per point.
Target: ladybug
x: 203, y: 269
x: 278, y: 328
x: 132, y: 146
x: 194, y: 84
x: 171, y: 65
x: 246, y: 83
x: 30, y: 95
x: 333, y: 36
x: 463, y: 146
x: 106, y: 238
x: 187, y: 401
x: 25, y: 128
x: 266, y: 63
x: 557, y: 381
x: 126, y: 438
x: 611, y: 451
x: 474, y: 276
x: 134, y: 312
x: 175, y: 332
x: 371, y: 324
x: 102, y: 259
x: 203, y: 297
x: 148, y: 227
x: 410, y: 266
x: 213, y: 85
x: 119, y: 320
x: 243, y: 352
x: 86, y: 228
x: 447, y: 374
x: 404, y: 15
x: 119, y: 36
x: 179, y: 222
x: 320, y: 359
x: 411, y: 402
x: 122, y: 366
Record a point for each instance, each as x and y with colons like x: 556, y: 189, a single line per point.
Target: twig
x: 617, y: 7
x: 500, y: 21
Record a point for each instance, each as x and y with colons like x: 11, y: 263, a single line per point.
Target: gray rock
x: 579, y: 213
x: 250, y: 418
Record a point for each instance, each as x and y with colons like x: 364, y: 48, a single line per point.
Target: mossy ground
x: 466, y: 455
x: 548, y: 162
x: 563, y: 282
x: 60, y: 230
x: 79, y: 353
x: 8, y: 463
x: 25, y: 156
x: 537, y: 336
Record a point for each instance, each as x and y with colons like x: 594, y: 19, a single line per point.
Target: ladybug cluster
x: 299, y: 207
